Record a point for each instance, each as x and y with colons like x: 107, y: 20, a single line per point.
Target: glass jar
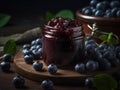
x: 63, y: 48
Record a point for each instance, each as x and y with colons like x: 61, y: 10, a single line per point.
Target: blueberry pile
x: 99, y: 57
x: 103, y: 8
x: 33, y: 51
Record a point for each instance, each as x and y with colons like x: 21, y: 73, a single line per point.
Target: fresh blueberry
x: 89, y: 82
x: 26, y: 52
x: 80, y: 67
x: 47, y: 84
x: 109, y: 14
x: 33, y: 47
x: 115, y: 3
x: 7, y: 57
x: 28, y: 59
x: 106, y: 4
x: 52, y: 69
x: 93, y: 2
x: 39, y: 41
x: 100, y: 6
x: 104, y: 64
x: 36, y: 54
x: 26, y: 46
x: 91, y: 65
x: 18, y: 81
x: 88, y: 11
x: 118, y: 14
x: 99, y: 13
x: 114, y: 11
x: 5, y: 66
x: 33, y: 43
x: 38, y: 66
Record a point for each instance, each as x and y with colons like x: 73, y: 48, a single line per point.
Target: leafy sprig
x: 10, y: 47
x: 104, y: 82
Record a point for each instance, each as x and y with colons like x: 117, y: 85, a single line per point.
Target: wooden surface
x: 63, y: 74
x: 66, y: 75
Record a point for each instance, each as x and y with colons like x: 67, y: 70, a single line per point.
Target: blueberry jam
x: 63, y: 42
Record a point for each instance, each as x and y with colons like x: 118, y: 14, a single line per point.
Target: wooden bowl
x: 104, y: 24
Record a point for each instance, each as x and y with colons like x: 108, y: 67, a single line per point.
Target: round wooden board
x: 62, y: 77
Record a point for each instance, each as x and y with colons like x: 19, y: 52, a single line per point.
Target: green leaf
x: 10, y: 47
x: 113, y: 41
x: 4, y: 19
x: 65, y: 14
x: 103, y: 37
x: 104, y: 82
x: 49, y: 16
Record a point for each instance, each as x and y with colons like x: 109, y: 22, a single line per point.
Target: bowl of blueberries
x: 104, y: 13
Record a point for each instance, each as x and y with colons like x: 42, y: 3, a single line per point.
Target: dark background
x: 27, y: 7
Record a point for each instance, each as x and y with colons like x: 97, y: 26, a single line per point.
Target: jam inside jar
x: 64, y: 45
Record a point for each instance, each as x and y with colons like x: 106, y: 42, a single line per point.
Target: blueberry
x: 115, y: 3
x: 93, y: 2
x: 52, y: 69
x: 104, y: 64
x: 118, y: 14
x: 114, y: 62
x: 26, y: 52
x: 114, y: 11
x: 18, y: 81
x: 39, y: 41
x: 99, y: 13
x: 91, y: 65
x: 88, y: 11
x: 7, y: 57
x: 5, y: 66
x: 33, y: 43
x: 26, y: 46
x: 38, y: 66
x: 28, y: 59
x: 100, y: 6
x: 106, y: 3
x: 109, y: 14
x: 36, y: 54
x: 33, y: 47
x: 89, y: 82
x: 80, y: 67
x: 47, y: 84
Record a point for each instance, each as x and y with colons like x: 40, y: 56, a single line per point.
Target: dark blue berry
x: 38, y: 66
x: 89, y: 82
x: 7, y: 57
x: 93, y: 2
x: 52, y: 69
x: 118, y: 14
x: 18, y: 81
x: 47, y: 85
x: 99, y: 13
x: 39, y: 41
x: 88, y: 11
x: 115, y: 3
x: 26, y: 46
x: 28, y: 59
x: 91, y: 65
x: 80, y: 67
x: 100, y: 6
x: 5, y: 66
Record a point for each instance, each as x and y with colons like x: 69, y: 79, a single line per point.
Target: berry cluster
x: 32, y: 51
x: 105, y: 8
x: 62, y: 25
x: 99, y: 57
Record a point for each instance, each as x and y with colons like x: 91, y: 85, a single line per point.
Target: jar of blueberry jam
x: 63, y: 42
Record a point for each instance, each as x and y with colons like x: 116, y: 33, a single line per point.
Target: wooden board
x: 63, y: 76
